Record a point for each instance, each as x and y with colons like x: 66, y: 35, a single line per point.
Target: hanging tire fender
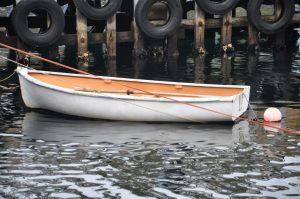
x: 4, y: 3
x: 217, y: 8
x: 158, y: 32
x: 62, y: 2
x: 98, y: 13
x: 38, y: 40
x: 255, y: 18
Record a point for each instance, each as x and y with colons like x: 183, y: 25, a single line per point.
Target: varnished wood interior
x: 93, y: 84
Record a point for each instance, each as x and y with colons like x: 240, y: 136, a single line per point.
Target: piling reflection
x: 199, y: 69
x: 156, y: 69
x: 226, y: 69
x: 282, y: 61
x: 252, y: 63
x: 111, y: 67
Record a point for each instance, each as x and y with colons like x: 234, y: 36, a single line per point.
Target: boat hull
x: 101, y: 106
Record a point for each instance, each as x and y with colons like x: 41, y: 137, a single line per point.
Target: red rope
x: 292, y: 131
x: 44, y: 59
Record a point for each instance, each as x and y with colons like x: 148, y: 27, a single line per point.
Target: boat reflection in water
x: 53, y: 128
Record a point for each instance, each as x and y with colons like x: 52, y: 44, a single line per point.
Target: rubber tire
x: 62, y: 2
x: 4, y: 3
x: 38, y: 40
x: 254, y: 17
x: 217, y: 8
x: 158, y: 32
x: 98, y: 13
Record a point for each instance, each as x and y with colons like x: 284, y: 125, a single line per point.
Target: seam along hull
x: 38, y: 94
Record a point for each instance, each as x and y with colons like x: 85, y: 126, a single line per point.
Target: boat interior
x: 136, y: 88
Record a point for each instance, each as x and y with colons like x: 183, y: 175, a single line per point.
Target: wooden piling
x: 138, y: 43
x: 252, y: 39
x: 139, y: 67
x: 226, y: 32
x: 20, y: 56
x: 199, y: 30
x: 82, y: 38
x: 280, y: 37
x: 52, y: 52
x: 172, y: 68
x: 111, y: 37
x: 172, y: 46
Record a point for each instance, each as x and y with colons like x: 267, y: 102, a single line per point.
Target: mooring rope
x: 292, y: 131
x: 8, y: 77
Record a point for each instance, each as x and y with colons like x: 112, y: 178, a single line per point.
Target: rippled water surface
x: 45, y: 155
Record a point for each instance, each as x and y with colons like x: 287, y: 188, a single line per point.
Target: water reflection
x: 50, y: 128
x: 65, y: 157
x: 226, y: 69
x: 156, y: 69
x: 199, y: 69
x: 59, y: 156
x: 43, y: 155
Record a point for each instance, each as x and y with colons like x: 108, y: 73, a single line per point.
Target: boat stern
x: 241, y: 103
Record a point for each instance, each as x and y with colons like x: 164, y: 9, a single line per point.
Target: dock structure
x: 127, y: 23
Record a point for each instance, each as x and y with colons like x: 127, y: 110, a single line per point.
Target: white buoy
x: 272, y: 115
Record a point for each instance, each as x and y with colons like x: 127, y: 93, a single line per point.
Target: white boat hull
x: 36, y: 94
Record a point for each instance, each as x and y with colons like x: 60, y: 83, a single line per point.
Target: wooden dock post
x: 172, y: 68
x: 138, y: 37
x: 172, y: 46
x: 139, y: 67
x: 82, y: 38
x: 252, y: 39
x: 199, y: 30
x: 226, y: 35
x: 280, y: 37
x: 111, y: 37
x: 20, y: 56
x: 52, y: 52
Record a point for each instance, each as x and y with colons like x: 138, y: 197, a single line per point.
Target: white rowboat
x: 125, y: 99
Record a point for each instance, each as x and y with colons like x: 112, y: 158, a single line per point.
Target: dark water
x: 44, y: 155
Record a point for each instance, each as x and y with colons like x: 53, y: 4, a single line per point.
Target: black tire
x: 4, y: 3
x: 217, y: 8
x: 255, y: 18
x: 158, y: 32
x: 62, y: 2
x: 38, y: 40
x: 98, y: 13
